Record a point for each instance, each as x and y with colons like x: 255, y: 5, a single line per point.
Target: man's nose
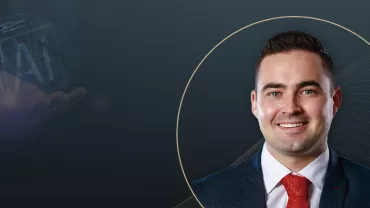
x: 292, y: 105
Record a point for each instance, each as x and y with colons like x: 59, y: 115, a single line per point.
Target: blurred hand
x: 22, y: 104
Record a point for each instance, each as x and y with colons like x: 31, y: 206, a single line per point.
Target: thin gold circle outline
x: 214, y: 48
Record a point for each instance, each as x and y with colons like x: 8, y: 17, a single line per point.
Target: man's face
x: 293, y: 102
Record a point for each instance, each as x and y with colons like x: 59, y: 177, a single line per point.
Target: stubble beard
x: 299, y: 147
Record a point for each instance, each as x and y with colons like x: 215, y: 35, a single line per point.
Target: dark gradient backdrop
x: 216, y: 117
x: 116, y: 147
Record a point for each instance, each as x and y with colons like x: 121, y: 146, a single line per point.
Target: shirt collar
x: 316, y: 170
x: 274, y: 171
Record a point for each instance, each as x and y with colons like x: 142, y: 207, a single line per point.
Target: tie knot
x: 296, y: 186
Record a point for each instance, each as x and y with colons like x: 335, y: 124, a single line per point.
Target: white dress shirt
x: 274, y: 171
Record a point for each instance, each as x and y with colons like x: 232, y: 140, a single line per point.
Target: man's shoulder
x: 225, y: 174
x: 358, y: 179
x: 355, y: 171
x: 223, y: 182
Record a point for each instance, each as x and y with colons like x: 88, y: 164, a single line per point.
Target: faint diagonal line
x: 354, y: 74
x: 360, y: 101
x: 357, y: 82
x: 359, y: 128
x: 354, y: 117
x: 359, y: 93
x: 355, y: 87
x: 354, y: 108
x: 338, y: 129
x: 349, y: 145
x: 183, y: 202
x: 354, y: 68
x: 350, y: 78
x: 362, y: 141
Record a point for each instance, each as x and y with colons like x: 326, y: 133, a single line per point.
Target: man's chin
x: 295, y: 150
x: 297, y: 147
x: 292, y: 146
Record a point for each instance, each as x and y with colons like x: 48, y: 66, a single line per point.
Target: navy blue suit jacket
x: 347, y: 185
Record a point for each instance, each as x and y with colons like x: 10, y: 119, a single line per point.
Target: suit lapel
x: 335, y: 185
x: 254, y: 193
x: 253, y: 189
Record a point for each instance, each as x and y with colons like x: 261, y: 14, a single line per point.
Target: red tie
x: 297, y: 189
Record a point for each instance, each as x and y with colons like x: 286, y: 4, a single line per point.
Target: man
x: 295, y: 100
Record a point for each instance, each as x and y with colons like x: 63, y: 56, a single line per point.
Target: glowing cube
x: 29, y: 51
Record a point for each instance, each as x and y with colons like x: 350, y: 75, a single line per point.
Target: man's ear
x: 254, y: 103
x: 337, y: 98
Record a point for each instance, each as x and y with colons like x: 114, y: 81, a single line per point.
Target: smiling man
x: 295, y: 100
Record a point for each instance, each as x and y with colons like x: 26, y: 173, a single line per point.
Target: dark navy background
x: 216, y: 117
x: 117, y: 146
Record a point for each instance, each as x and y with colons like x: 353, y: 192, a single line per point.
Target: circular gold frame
x: 229, y: 36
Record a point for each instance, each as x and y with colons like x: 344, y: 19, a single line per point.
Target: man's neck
x: 297, y: 162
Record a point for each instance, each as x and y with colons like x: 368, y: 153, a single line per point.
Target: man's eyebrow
x: 308, y: 83
x: 273, y: 85
x: 299, y: 85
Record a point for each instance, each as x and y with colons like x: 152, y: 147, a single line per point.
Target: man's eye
x: 274, y: 94
x: 308, y: 92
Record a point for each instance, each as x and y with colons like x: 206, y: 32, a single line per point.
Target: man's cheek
x: 269, y: 112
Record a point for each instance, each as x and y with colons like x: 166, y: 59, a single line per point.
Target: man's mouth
x: 292, y: 125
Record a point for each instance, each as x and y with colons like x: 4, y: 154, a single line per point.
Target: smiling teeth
x: 291, y: 125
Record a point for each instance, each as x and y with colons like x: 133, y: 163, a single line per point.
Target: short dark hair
x: 297, y: 40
